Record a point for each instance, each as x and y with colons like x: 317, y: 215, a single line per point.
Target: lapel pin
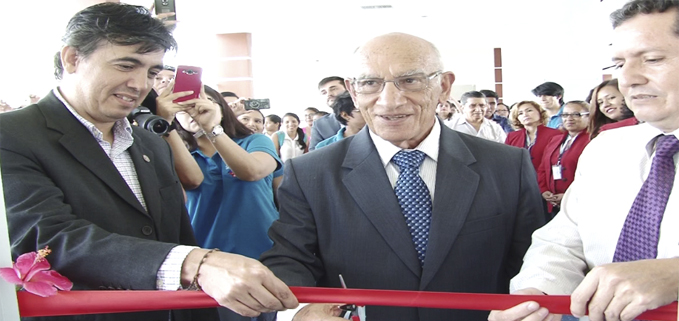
x: 146, y: 158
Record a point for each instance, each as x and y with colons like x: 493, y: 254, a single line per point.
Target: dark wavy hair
x: 549, y: 89
x: 636, y: 7
x: 300, y: 132
x: 118, y: 24
x: 343, y: 103
x: 596, y: 117
x: 232, y: 127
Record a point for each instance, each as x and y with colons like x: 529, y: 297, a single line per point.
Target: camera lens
x: 157, y: 125
x: 147, y: 120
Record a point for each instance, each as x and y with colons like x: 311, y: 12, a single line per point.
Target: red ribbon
x: 90, y: 302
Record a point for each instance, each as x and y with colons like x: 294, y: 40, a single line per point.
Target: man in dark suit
x: 102, y: 194
x: 346, y: 209
x: 328, y: 125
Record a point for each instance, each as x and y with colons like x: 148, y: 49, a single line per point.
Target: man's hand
x: 528, y: 311
x: 622, y: 291
x: 238, y: 283
x: 318, y: 312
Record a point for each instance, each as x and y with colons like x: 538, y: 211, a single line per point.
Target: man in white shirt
x: 573, y: 254
x: 473, y: 120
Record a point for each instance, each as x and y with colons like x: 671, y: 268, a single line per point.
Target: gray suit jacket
x: 62, y: 190
x: 324, y: 128
x: 339, y: 215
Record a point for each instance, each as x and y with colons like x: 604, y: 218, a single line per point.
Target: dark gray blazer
x: 339, y: 215
x: 324, y: 128
x: 62, y: 190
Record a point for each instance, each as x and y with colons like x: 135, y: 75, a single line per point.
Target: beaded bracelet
x: 194, y: 284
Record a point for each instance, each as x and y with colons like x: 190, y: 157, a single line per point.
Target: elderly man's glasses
x: 574, y: 115
x: 416, y: 82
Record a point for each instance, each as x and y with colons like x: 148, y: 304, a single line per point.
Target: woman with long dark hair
x: 607, y: 107
x: 291, y: 141
x: 233, y: 208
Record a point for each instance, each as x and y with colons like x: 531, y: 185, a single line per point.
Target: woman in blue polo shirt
x: 233, y: 208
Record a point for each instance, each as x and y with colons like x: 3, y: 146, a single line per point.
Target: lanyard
x: 566, y: 145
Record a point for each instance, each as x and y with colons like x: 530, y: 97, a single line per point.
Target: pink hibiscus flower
x: 32, y: 272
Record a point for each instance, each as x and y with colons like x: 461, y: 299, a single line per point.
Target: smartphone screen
x: 165, y: 6
x: 187, y: 78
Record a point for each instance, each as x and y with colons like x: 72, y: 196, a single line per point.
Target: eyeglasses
x: 574, y: 115
x: 417, y: 82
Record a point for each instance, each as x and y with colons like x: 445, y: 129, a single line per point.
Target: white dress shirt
x: 584, y: 234
x: 169, y: 274
x: 429, y: 146
x: 290, y: 147
x: 489, y: 129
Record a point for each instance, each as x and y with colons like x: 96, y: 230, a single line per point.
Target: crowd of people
x: 400, y: 187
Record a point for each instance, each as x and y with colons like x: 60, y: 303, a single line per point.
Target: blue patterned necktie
x: 413, y: 196
x: 639, y: 237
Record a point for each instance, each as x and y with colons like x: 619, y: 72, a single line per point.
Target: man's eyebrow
x: 128, y: 59
x: 136, y: 62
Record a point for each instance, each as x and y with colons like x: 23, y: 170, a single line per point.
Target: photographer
x: 233, y: 207
x: 188, y: 171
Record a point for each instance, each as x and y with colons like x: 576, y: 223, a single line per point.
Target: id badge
x: 556, y: 172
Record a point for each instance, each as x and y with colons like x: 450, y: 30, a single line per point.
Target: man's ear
x: 344, y: 115
x: 69, y: 59
x: 447, y: 80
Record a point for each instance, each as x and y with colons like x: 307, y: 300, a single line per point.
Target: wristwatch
x: 216, y: 131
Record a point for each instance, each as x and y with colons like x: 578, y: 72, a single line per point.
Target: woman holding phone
x: 233, y: 208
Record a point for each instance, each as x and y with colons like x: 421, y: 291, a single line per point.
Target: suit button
x: 147, y: 230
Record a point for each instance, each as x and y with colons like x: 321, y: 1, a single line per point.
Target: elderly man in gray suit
x: 406, y: 204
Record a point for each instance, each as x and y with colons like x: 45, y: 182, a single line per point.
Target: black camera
x: 253, y: 104
x: 144, y: 116
x: 147, y: 120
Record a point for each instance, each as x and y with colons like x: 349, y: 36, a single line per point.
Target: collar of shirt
x: 463, y: 121
x: 121, y: 129
x: 558, y: 114
x: 429, y: 146
x: 649, y: 135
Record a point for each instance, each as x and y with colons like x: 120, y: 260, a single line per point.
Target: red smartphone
x: 187, y: 78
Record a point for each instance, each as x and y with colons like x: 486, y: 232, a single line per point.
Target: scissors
x: 351, y: 311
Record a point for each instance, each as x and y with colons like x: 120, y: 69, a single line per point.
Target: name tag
x: 556, y: 172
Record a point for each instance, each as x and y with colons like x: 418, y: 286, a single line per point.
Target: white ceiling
x: 325, y: 30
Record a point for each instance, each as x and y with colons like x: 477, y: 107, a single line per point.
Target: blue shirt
x: 503, y: 122
x: 555, y: 121
x: 339, y: 136
x: 230, y: 214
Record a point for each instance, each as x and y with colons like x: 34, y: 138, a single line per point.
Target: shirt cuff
x: 169, y: 274
x: 287, y: 315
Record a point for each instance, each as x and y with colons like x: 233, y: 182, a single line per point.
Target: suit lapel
x: 368, y: 184
x: 456, y: 186
x: 143, y: 159
x: 78, y: 141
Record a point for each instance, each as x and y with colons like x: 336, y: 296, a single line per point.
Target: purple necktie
x: 639, y: 237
